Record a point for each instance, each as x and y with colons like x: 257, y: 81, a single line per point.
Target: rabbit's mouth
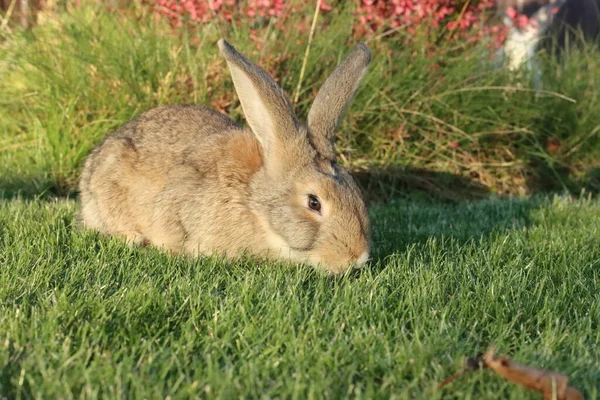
x: 333, y: 259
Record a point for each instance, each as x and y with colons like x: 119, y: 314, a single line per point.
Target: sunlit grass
x: 68, y: 82
x: 87, y: 317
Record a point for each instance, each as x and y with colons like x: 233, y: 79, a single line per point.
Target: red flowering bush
x: 204, y: 10
x: 404, y: 13
x: 461, y: 19
x: 464, y: 20
x: 522, y: 21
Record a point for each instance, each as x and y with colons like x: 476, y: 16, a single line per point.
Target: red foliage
x: 461, y: 19
x: 205, y: 10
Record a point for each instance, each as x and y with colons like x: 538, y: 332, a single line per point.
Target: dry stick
x: 421, y: 114
x: 460, y: 16
x: 552, y: 385
x: 471, y: 364
x: 307, y: 52
x: 24, y: 13
x: 506, y: 88
x: 6, y: 18
x: 577, y: 146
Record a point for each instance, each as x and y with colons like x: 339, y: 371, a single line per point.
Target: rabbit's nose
x: 362, y: 260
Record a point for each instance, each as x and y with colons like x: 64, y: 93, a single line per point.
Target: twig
x: 426, y: 116
x: 307, y: 52
x: 6, y: 18
x: 577, y: 146
x: 471, y: 364
x: 551, y: 384
x: 24, y: 13
x: 507, y: 88
x: 460, y: 16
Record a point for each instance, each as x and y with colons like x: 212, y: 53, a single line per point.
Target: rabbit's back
x: 161, y: 138
x: 153, y: 171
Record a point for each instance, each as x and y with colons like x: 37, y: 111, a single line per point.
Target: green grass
x: 85, y: 317
x: 68, y: 82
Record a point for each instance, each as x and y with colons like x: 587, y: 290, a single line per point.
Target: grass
x: 83, y: 316
x: 69, y: 81
x: 88, y: 317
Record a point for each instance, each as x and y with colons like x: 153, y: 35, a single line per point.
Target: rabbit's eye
x: 314, y: 203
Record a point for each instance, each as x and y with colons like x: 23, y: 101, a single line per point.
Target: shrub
x: 428, y: 102
x: 459, y: 19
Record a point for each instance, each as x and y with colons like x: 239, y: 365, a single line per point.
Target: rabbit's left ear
x: 333, y: 99
x: 266, y: 107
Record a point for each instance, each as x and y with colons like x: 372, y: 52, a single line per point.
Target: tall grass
x: 69, y: 81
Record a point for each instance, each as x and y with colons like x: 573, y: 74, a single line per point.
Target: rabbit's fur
x: 186, y: 178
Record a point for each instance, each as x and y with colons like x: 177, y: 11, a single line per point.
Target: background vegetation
x: 433, y: 113
x: 84, y: 316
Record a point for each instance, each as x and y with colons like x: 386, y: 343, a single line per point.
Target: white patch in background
x: 521, y: 43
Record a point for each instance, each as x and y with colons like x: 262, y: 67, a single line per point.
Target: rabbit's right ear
x: 333, y: 99
x: 266, y: 107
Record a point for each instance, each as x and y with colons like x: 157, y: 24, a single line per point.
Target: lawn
x: 86, y: 317
x: 422, y: 106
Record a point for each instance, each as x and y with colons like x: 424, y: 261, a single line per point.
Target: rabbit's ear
x: 333, y: 98
x: 266, y: 106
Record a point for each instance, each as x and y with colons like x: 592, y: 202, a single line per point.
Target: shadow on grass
x: 34, y: 188
x: 381, y: 185
x: 9, y: 388
x: 411, y: 207
x: 545, y: 179
x: 406, y: 225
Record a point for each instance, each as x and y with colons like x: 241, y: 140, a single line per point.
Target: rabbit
x: 191, y: 180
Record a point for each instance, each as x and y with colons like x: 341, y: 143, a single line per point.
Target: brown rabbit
x: 187, y: 178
